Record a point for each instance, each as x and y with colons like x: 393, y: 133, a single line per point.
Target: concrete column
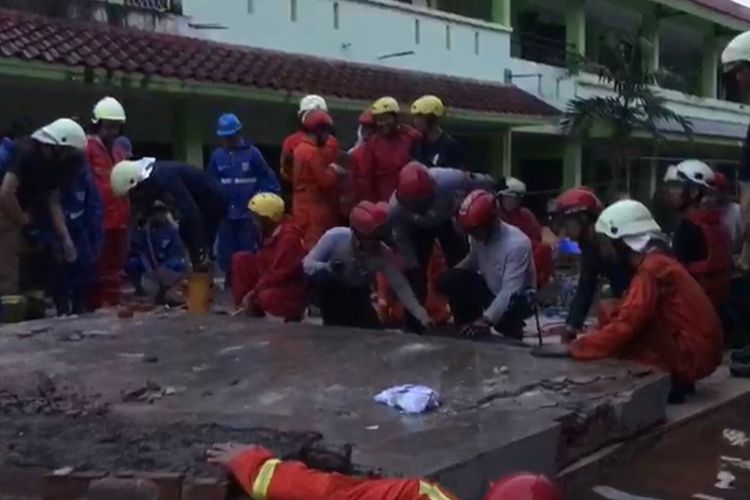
x: 710, y: 65
x: 502, y: 12
x: 572, y: 165
x: 575, y: 26
x: 501, y: 153
x: 187, y: 138
x: 650, y: 30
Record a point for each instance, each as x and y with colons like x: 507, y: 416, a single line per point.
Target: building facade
x: 500, y: 65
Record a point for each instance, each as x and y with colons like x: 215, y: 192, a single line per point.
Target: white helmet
x: 697, y: 172
x: 671, y: 174
x: 128, y: 174
x: 62, y: 132
x: 737, y: 51
x: 626, y: 218
x: 514, y: 187
x: 310, y: 102
x: 109, y: 109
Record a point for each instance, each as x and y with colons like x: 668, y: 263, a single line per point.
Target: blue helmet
x: 228, y: 125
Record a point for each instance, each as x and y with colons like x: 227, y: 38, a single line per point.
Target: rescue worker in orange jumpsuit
x: 360, y: 185
x: 315, y: 179
x: 308, y: 103
x: 387, y: 152
x: 511, y: 199
x: 436, y: 148
x: 262, y: 475
x: 665, y: 320
x: 575, y: 212
x: 701, y: 241
x: 108, y: 122
x: 271, y: 280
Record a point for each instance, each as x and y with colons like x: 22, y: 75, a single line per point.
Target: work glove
x: 479, y: 328
x: 551, y: 351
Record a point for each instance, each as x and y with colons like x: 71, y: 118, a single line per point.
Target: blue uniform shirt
x: 242, y: 172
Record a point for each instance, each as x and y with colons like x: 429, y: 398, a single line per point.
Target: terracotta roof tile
x: 34, y: 38
x: 727, y: 7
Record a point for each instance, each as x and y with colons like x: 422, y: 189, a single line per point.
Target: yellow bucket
x: 200, y: 292
x: 12, y: 308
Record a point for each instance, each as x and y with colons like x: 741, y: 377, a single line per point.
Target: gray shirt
x: 506, y: 264
x: 451, y: 187
x: 337, y: 245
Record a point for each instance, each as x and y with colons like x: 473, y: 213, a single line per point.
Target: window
x: 293, y: 10
x: 335, y: 15
x: 417, y: 34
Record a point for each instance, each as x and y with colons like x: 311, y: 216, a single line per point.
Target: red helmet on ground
x: 316, y: 118
x: 414, y: 182
x: 721, y: 182
x: 479, y: 209
x: 369, y: 219
x: 524, y: 486
x: 578, y: 200
x: 366, y: 119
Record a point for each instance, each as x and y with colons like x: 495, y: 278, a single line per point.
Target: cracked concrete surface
x: 501, y: 409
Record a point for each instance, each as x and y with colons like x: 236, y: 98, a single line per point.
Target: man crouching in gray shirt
x: 492, y: 286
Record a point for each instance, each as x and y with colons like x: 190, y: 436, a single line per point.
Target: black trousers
x: 342, y: 305
x: 454, y: 245
x: 469, y: 296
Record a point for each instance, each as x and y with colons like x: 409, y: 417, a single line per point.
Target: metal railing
x: 159, y: 5
x: 537, y: 48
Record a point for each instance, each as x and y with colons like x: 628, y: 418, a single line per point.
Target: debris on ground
x: 409, y: 398
x: 150, y: 392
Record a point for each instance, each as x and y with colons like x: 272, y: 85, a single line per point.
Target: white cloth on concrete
x: 409, y: 398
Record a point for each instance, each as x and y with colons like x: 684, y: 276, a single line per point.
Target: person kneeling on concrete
x: 665, y: 319
x: 493, y: 285
x: 342, y: 264
x: 271, y: 281
x: 157, y: 254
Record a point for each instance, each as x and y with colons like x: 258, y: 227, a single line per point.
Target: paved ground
x: 156, y: 389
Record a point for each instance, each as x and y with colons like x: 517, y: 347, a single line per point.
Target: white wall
x: 367, y: 30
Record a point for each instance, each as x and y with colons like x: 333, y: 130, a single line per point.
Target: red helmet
x: 524, y: 486
x: 721, y: 183
x: 578, y: 200
x: 316, y: 118
x: 414, y: 182
x: 368, y: 218
x: 366, y: 119
x: 479, y: 209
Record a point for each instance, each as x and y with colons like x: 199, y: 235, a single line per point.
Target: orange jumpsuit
x: 525, y: 220
x: 275, y: 273
x: 263, y: 476
x: 665, y: 320
x: 287, y: 152
x: 315, y: 190
x: 382, y: 160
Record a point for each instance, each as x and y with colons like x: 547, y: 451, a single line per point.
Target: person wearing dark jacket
x: 33, y: 178
x: 194, y: 194
x: 700, y: 241
x: 576, y: 211
x: 436, y: 148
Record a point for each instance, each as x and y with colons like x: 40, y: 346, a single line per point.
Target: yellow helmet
x: 268, y: 205
x: 385, y: 105
x: 428, y: 105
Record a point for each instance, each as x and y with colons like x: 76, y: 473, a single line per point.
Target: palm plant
x: 634, y: 105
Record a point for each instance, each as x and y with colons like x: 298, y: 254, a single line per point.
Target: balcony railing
x: 541, y: 49
x: 173, y: 6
